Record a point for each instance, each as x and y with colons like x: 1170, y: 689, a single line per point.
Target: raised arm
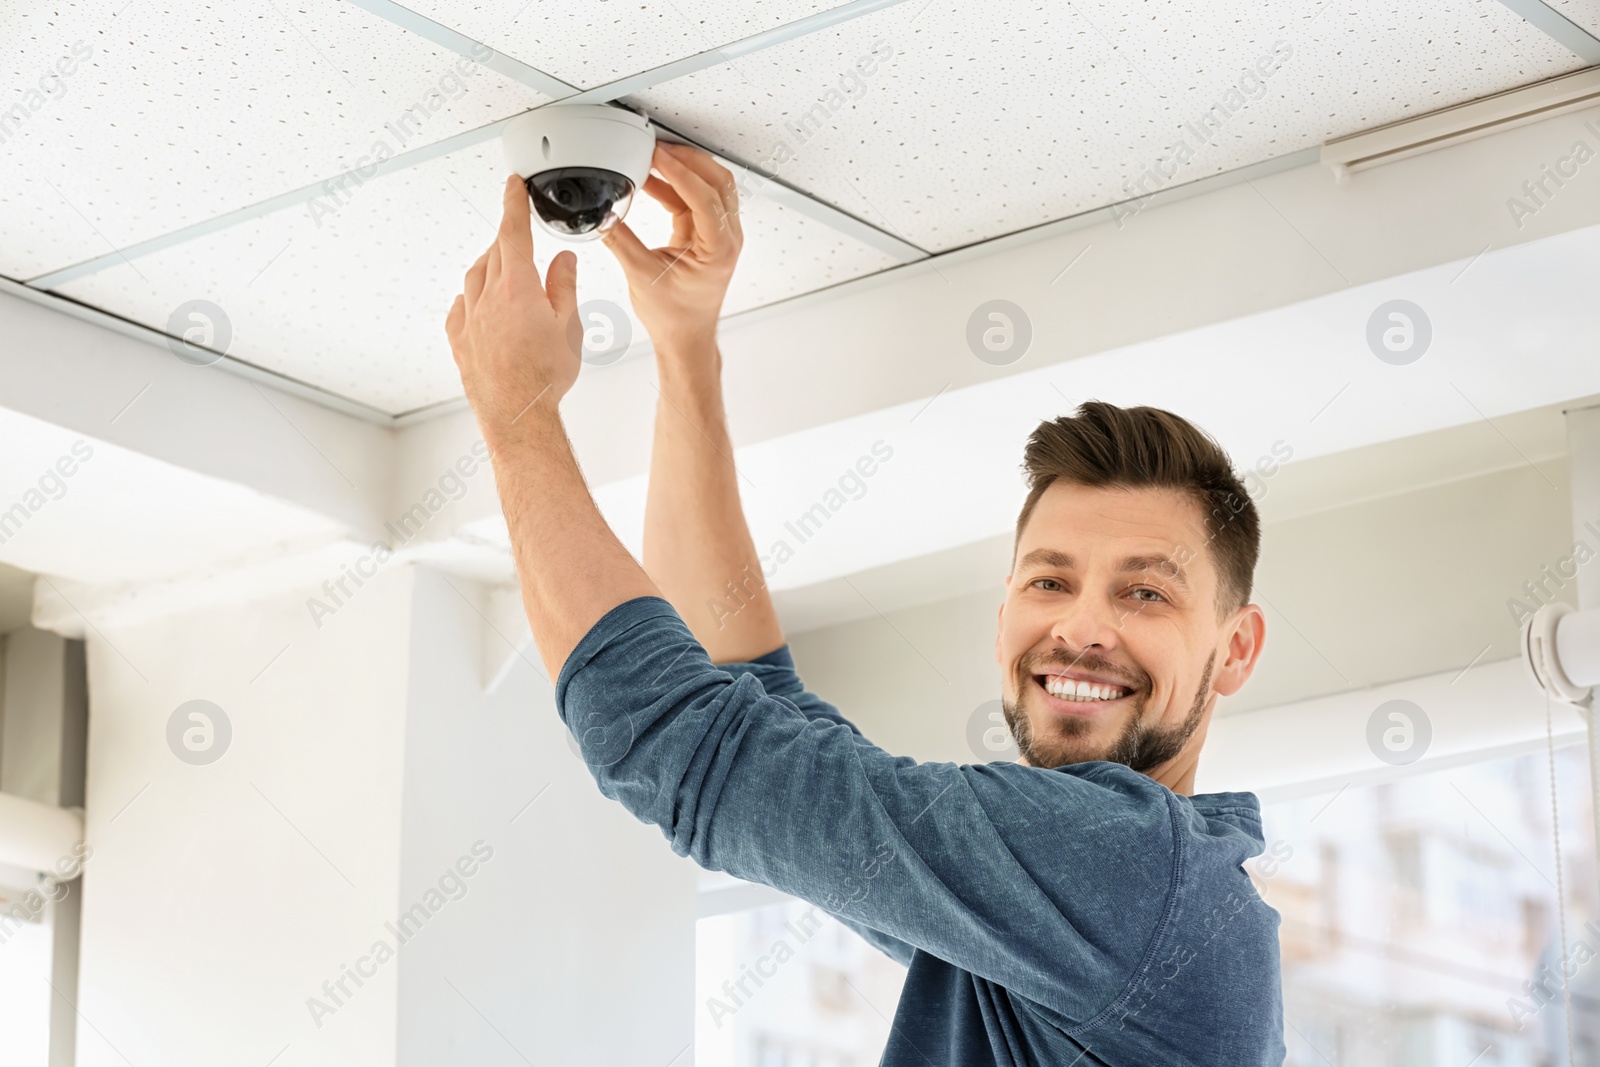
x: 1006, y: 871
x: 697, y: 545
x: 973, y: 864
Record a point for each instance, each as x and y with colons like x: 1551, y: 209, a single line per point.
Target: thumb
x: 629, y: 250
x: 561, y: 283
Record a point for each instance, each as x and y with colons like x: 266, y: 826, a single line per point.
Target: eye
x: 1036, y: 581
x: 1147, y: 589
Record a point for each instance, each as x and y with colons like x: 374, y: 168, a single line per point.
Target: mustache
x: 1084, y: 661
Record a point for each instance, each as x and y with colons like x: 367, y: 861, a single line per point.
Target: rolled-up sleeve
x: 777, y: 675
x: 1019, y: 875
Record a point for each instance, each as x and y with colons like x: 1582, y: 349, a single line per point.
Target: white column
x: 222, y: 894
x: 43, y: 719
x: 576, y: 939
x: 238, y: 905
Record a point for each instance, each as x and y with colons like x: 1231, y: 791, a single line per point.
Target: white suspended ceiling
x: 590, y: 42
x: 1040, y: 111
x: 1586, y: 13
x: 354, y: 302
x: 956, y: 130
x: 184, y: 111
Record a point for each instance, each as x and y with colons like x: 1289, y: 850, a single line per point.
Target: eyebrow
x: 1166, y: 565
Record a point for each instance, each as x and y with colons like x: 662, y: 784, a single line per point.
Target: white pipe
x: 1576, y: 649
x: 38, y: 837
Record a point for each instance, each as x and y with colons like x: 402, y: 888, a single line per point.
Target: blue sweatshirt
x: 1080, y: 916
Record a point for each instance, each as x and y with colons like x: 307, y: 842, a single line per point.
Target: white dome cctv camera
x: 581, y: 164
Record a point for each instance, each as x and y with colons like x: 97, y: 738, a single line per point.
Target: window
x: 1421, y: 927
x: 1422, y: 923
x: 789, y: 986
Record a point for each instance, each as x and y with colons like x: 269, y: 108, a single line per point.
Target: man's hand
x: 677, y: 290
x: 510, y: 334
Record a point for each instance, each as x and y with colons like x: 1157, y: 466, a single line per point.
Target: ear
x: 999, y: 623
x: 1244, y: 650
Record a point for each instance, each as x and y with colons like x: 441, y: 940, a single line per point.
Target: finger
x: 713, y: 174
x: 710, y: 171
x: 456, y: 319
x: 631, y: 253
x: 661, y: 190
x: 655, y: 186
x: 562, y: 283
x: 472, y: 284
x: 711, y: 232
x: 667, y: 197
x: 516, y: 223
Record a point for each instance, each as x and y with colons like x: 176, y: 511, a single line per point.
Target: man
x: 1075, y: 907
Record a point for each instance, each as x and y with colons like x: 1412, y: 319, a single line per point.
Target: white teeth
x: 1067, y: 689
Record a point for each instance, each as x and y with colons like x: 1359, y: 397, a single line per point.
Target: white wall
x: 576, y: 940
x: 219, y: 897
x: 1373, y: 592
x: 365, y: 762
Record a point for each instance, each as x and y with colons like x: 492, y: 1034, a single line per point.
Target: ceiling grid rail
x: 1556, y: 26
x: 561, y: 92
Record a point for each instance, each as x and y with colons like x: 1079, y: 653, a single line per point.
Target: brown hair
x: 1103, y: 445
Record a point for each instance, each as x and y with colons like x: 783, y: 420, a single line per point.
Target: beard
x: 1140, y: 745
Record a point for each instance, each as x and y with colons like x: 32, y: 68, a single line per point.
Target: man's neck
x: 1178, y: 779
x: 1177, y: 774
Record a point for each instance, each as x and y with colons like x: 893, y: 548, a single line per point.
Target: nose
x: 1089, y: 623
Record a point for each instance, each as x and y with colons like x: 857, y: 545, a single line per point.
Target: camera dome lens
x: 579, y: 202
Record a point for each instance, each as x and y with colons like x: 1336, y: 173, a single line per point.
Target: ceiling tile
x: 134, y: 119
x: 355, y: 301
x: 591, y: 42
x: 1585, y: 13
x: 946, y: 130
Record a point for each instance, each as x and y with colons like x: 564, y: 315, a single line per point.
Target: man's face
x: 1115, y: 588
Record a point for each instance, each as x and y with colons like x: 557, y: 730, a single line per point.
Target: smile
x: 1064, y: 696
